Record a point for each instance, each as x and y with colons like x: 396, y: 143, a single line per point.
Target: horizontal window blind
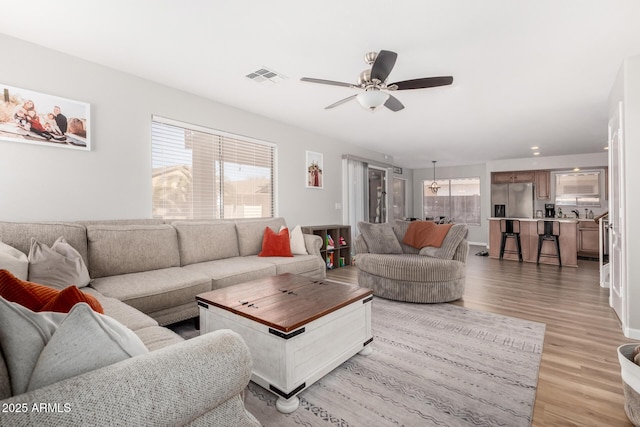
x: 578, y: 189
x: 200, y: 173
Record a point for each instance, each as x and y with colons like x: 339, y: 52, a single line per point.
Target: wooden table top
x: 284, y: 302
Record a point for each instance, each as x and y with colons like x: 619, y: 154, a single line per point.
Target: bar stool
x: 549, y: 230
x: 510, y: 228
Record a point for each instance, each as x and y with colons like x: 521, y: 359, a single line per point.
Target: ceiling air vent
x: 263, y: 75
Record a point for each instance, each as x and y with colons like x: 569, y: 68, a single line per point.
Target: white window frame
x: 215, y: 207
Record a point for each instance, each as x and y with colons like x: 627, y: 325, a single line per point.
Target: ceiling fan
x: 374, y: 83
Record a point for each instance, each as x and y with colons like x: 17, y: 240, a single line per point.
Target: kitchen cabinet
x: 512, y: 177
x: 542, y: 181
x: 588, y: 240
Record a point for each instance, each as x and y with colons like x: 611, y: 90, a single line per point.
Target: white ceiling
x: 534, y: 72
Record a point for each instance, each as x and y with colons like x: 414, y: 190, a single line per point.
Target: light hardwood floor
x: 579, y: 380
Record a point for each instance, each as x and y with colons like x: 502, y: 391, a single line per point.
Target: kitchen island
x: 529, y: 241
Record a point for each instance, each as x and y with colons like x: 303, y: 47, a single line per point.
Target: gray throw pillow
x: 449, y: 245
x: 57, y: 266
x: 380, y: 238
x: 14, y: 261
x: 46, y: 347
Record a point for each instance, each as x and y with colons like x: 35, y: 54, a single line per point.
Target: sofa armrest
x: 360, y: 245
x: 313, y: 244
x: 171, y: 386
x: 462, y: 251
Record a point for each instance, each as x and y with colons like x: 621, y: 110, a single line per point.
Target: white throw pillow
x: 23, y: 335
x: 14, y: 261
x: 57, y: 266
x: 83, y: 342
x: 46, y: 347
x: 296, y: 240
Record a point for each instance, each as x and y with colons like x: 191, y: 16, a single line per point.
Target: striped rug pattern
x: 432, y: 365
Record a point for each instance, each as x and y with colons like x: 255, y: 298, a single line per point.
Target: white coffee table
x: 297, y: 329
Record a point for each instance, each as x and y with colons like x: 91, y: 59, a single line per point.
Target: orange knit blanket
x: 426, y: 233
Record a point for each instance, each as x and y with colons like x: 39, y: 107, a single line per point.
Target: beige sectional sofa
x: 145, y: 274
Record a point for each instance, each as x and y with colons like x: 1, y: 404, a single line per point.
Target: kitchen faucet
x: 575, y: 211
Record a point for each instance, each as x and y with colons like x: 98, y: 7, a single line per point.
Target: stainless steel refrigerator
x: 516, y: 198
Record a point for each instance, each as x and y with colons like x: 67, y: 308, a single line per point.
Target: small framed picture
x: 37, y: 118
x: 314, y: 170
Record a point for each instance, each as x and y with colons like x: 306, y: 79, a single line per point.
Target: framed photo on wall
x: 37, y: 118
x: 314, y: 170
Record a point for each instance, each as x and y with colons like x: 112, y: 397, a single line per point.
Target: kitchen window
x: 458, y: 200
x: 200, y: 173
x: 578, y: 188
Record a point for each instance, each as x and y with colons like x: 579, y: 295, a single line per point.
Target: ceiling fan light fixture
x: 372, y: 99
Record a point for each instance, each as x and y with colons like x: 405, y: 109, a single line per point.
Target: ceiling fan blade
x: 393, y: 104
x: 326, y: 82
x: 383, y: 65
x: 423, y: 83
x: 342, y: 101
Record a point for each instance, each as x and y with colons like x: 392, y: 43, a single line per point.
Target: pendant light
x: 434, y: 185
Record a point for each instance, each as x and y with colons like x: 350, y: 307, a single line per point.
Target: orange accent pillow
x: 68, y: 297
x: 276, y: 244
x: 27, y: 294
x: 426, y: 233
x: 36, y: 297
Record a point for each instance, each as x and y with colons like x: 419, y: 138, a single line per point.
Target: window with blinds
x: 578, y: 189
x: 457, y: 199
x: 199, y: 173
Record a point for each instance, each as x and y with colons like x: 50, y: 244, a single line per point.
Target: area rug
x: 432, y: 365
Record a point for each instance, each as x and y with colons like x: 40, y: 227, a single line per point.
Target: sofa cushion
x: 19, y: 235
x: 380, y: 238
x: 206, y: 241
x: 123, y: 249
x: 449, y: 245
x: 156, y: 337
x: 37, y: 297
x: 14, y: 261
x: 276, y: 244
x: 299, y: 264
x: 251, y: 232
x: 123, y: 313
x: 57, y: 266
x: 154, y: 290
x: 231, y: 271
x: 85, y: 340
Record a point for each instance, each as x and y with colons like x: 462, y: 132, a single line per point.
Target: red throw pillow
x: 68, y: 297
x: 37, y: 297
x: 276, y: 244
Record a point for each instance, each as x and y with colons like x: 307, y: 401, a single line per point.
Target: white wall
x: 113, y: 180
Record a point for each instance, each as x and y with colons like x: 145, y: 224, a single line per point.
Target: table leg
x: 287, y: 406
x: 366, y: 351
